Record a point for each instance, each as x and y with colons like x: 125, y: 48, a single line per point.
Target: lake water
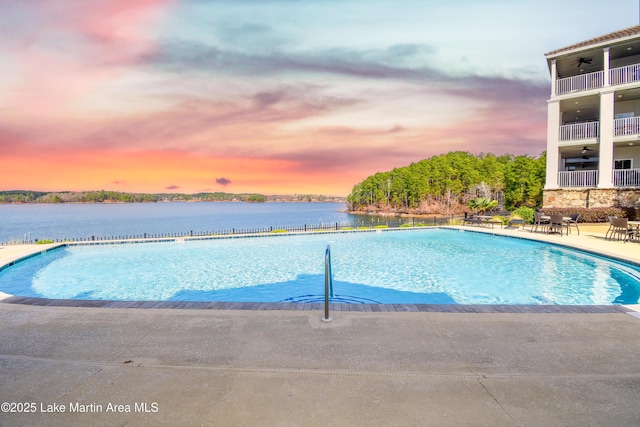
x: 81, y: 221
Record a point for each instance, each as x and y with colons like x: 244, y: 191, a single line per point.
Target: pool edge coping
x: 335, y: 307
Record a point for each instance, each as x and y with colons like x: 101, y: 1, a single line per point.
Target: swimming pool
x: 432, y: 266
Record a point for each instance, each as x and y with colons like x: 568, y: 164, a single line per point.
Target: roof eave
x: 610, y: 39
x: 560, y: 53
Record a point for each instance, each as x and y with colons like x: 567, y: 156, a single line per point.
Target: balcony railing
x: 622, y: 75
x: 578, y: 178
x: 626, y: 178
x: 580, y: 82
x: 579, y: 131
x: 626, y: 126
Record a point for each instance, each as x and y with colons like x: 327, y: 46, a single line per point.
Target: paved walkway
x: 129, y: 366
x: 288, y: 368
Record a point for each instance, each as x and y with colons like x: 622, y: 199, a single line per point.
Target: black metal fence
x: 391, y: 222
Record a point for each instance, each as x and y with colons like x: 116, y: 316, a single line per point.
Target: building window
x: 622, y: 164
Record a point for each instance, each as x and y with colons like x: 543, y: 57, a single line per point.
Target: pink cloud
x: 64, y: 50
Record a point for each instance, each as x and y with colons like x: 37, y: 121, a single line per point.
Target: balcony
x: 578, y: 131
x: 622, y: 75
x: 626, y: 126
x: 626, y: 178
x: 580, y: 83
x: 595, y: 80
x: 588, y: 178
x: 622, y: 178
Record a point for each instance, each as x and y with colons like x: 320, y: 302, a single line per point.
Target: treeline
x: 444, y: 184
x: 103, y: 196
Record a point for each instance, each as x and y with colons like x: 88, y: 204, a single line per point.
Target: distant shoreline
x: 113, y: 197
x: 173, y: 201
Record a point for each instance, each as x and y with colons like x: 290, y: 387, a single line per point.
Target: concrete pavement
x: 216, y: 367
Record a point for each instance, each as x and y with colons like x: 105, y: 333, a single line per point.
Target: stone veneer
x: 591, y: 198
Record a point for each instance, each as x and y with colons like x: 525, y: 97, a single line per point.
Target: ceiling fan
x: 584, y: 61
x: 586, y: 149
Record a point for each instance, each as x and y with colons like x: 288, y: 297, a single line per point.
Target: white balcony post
x: 554, y: 77
x: 553, y: 160
x: 606, y: 66
x: 605, y: 163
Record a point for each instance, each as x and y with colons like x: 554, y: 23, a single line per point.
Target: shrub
x: 500, y: 218
x: 524, y: 213
x: 588, y: 214
x: 482, y: 204
x: 44, y: 242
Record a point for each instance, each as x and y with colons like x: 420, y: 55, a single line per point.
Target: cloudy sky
x: 277, y: 96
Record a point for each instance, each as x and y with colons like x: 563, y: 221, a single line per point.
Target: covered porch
x: 580, y: 166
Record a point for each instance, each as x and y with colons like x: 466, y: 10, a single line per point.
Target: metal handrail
x: 328, y: 283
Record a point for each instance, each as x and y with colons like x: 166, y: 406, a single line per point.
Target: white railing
x: 579, y: 131
x: 578, y: 178
x: 580, y: 82
x: 621, y: 75
x: 627, y: 126
x: 626, y: 178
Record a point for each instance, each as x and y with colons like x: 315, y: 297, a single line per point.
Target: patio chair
x: 610, y: 229
x: 538, y: 222
x: 573, y: 222
x: 621, y: 230
x: 556, y: 224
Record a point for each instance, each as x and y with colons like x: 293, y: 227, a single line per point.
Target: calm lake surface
x: 81, y: 221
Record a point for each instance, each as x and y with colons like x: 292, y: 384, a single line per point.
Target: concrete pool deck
x: 287, y: 367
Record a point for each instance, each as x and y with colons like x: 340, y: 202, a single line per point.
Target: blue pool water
x: 436, y: 266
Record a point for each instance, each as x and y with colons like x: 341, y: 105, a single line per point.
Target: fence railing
x: 622, y: 75
x: 580, y: 83
x: 579, y: 131
x: 587, y: 178
x: 389, y: 223
x: 626, y: 126
x: 626, y: 178
x: 595, y: 80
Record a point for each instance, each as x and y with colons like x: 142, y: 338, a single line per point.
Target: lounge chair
x: 471, y: 220
x: 514, y: 223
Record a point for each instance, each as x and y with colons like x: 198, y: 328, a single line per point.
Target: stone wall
x: 591, y: 198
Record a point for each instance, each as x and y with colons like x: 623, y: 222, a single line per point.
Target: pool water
x: 432, y: 266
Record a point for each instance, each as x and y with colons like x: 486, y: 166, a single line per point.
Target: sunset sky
x: 274, y: 97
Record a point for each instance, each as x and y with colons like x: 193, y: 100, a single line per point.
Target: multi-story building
x: 593, y: 127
